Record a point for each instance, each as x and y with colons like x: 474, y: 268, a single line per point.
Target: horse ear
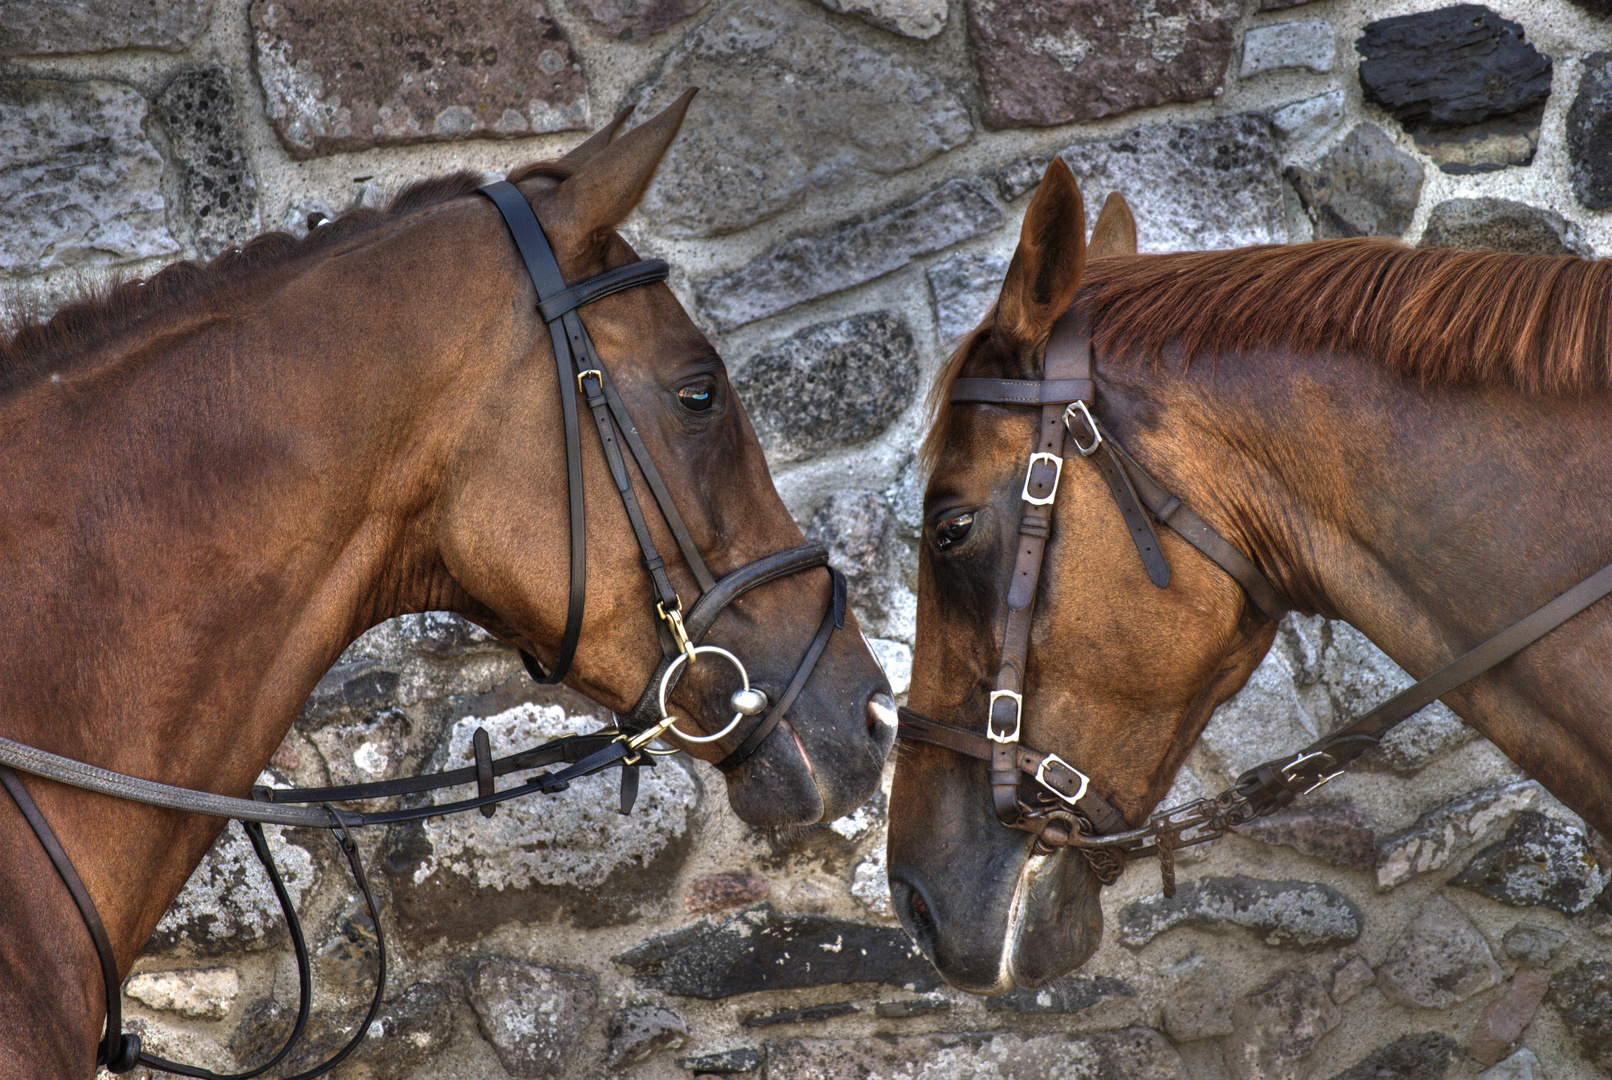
x: 1115, y: 231
x: 585, y: 209
x: 597, y: 141
x: 1045, y: 271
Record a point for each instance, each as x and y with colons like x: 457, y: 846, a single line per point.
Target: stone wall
x: 841, y: 204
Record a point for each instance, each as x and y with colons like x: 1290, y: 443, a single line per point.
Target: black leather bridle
x: 625, y: 746
x: 1060, y: 804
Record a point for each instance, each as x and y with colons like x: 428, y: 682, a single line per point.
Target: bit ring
x: 665, y: 683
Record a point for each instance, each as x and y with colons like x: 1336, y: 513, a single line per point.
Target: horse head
x: 1119, y: 676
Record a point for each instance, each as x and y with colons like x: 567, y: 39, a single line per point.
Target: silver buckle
x: 1097, y: 436
x: 1057, y: 474
x: 1085, y: 781
x: 1287, y: 770
x: 1018, y: 714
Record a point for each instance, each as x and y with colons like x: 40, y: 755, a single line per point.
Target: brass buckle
x: 1018, y: 715
x: 1097, y: 436
x: 1040, y: 777
x: 674, y: 620
x: 595, y: 372
x: 1057, y: 474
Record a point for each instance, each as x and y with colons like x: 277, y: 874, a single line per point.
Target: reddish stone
x: 1502, y: 1023
x: 718, y: 892
x: 286, y: 756
x: 351, y: 74
x: 1047, y: 62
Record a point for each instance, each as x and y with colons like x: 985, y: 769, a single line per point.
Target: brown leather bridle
x: 1061, y: 806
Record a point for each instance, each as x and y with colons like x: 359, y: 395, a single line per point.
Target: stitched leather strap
x: 602, y: 285
x: 1023, y: 391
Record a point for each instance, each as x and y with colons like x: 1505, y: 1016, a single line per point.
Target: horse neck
x: 1430, y: 518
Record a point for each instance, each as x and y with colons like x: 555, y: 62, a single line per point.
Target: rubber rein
x: 1060, y: 805
x: 626, y: 746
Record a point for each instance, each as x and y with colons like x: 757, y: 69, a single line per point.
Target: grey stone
x: 626, y: 20
x: 409, y: 1030
x: 1540, y: 862
x: 1275, y: 1030
x: 1445, y: 830
x: 762, y: 950
x: 1195, y: 1005
x: 851, y: 525
x: 1280, y: 5
x: 1047, y: 62
x: 808, y: 267
x: 1427, y: 1056
x: 371, y: 750
x: 568, y: 855
x: 1439, y: 959
x: 1365, y: 186
x: 1582, y: 995
x: 1306, y: 121
x: 199, y: 993
x: 533, y: 1016
x: 343, y: 75
x: 1333, y: 832
x: 1136, y: 1053
x: 93, y: 26
x: 1501, y: 225
x: 1522, y: 1065
x: 921, y: 19
x: 1287, y: 914
x: 795, y: 390
x: 723, y: 1062
x: 80, y: 183
x: 929, y: 1005
x: 807, y: 1015
x: 1264, y: 718
x: 963, y: 288
x: 1306, y: 44
x: 228, y: 904
x: 1072, y: 994
x: 1351, y: 978
x: 1462, y: 80
x: 1589, y: 133
x: 442, y: 635
x: 218, y: 194
x: 789, y: 109
x: 637, y: 1032
x: 1537, y: 945
x: 1192, y: 187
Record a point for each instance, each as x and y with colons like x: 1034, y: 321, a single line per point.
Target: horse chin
x: 1059, y: 920
x: 1026, y: 931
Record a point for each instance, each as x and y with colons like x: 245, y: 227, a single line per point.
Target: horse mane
x: 1541, y: 324
x: 33, y: 345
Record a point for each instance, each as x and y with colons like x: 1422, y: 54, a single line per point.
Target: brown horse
x: 1412, y: 441
x: 212, y: 482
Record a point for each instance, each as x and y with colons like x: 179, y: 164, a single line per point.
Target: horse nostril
x: 881, y: 714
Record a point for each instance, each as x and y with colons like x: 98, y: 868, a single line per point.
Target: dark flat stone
x: 1068, y: 995
x: 1287, y: 914
x: 218, y: 196
x: 92, y: 26
x: 724, y: 1062
x: 909, y: 1007
x: 809, y: 1014
x: 1540, y: 862
x: 1582, y: 994
x: 1336, y: 833
x: 760, y: 949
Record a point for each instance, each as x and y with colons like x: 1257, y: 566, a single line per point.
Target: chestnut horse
x: 212, y: 482
x: 1415, y: 441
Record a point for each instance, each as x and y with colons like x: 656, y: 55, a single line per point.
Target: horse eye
x: 952, y: 530
x: 698, y: 397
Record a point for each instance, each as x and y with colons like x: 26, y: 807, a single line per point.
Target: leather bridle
x: 625, y: 746
x: 1041, y: 793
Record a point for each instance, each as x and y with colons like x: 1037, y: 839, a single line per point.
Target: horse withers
x: 213, y: 481
x: 1413, y: 441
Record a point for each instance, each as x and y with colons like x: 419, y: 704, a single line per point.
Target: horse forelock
x: 33, y: 346
x: 1541, y: 324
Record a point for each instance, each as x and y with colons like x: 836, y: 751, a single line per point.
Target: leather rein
x: 625, y: 746
x: 1041, y: 793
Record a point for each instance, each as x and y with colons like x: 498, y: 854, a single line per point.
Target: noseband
x: 1060, y: 805
x: 625, y: 746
